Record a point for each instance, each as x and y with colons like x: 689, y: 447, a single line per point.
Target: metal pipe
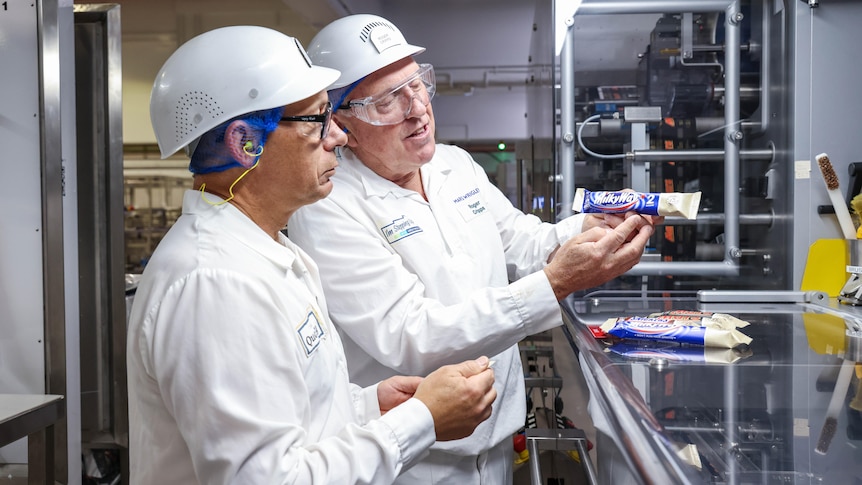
x: 762, y: 154
x: 745, y: 92
x: 655, y: 6
x: 732, y: 134
x: 731, y: 440
x: 567, y: 122
x: 685, y: 268
x: 696, y: 429
x: 748, y: 219
x: 706, y: 125
x: 586, y: 463
x: 714, y: 48
x: 618, y: 102
x: 765, y: 68
x: 535, y: 471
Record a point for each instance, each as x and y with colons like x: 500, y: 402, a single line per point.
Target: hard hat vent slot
x: 366, y: 31
x: 193, y: 108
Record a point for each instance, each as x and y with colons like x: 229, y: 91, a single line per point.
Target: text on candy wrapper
x: 613, y: 198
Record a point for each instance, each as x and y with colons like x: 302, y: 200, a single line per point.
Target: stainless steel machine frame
x: 104, y: 399
x: 805, y: 104
x: 732, y: 132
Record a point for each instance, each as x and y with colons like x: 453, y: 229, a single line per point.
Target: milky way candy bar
x: 646, y: 328
x: 655, y: 204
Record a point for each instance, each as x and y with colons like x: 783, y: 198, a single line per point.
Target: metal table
x: 33, y: 416
x: 667, y: 414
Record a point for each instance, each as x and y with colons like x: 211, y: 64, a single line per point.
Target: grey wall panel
x: 22, y: 357
x: 826, y: 104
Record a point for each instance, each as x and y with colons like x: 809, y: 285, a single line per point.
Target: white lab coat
x: 236, y: 374
x: 414, y: 285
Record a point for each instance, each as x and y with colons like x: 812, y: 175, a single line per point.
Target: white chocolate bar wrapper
x: 680, y: 204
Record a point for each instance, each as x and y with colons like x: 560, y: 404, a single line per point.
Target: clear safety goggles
x: 393, y: 106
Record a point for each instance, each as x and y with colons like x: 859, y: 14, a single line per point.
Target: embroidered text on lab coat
x: 470, y: 204
x: 399, y: 229
x: 310, y: 333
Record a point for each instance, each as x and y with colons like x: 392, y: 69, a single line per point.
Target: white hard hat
x: 358, y: 45
x: 225, y: 73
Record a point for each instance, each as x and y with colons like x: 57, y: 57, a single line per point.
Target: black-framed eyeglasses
x: 324, y: 118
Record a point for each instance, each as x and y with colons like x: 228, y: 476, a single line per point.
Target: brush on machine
x: 851, y: 293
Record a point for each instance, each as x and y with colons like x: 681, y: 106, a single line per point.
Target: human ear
x: 242, y: 144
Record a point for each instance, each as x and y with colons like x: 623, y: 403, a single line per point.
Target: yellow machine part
x: 826, y: 267
x: 825, y: 333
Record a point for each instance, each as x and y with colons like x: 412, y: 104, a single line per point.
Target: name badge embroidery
x: 310, y: 332
x: 399, y: 229
x: 470, y: 205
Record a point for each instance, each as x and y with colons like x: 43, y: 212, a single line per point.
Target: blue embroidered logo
x: 399, y: 229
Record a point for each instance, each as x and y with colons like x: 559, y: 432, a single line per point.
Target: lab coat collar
x: 434, y: 173
x: 237, y: 225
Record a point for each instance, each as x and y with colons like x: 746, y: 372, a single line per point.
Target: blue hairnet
x: 211, y: 155
x: 337, y: 96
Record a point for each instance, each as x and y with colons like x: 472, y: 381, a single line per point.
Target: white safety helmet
x: 225, y: 73
x: 358, y: 45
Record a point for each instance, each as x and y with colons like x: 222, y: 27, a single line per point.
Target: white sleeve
x: 383, y: 307
x: 231, y: 376
x: 365, y: 402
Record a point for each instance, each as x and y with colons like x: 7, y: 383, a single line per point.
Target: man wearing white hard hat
x: 423, y: 260
x: 236, y: 374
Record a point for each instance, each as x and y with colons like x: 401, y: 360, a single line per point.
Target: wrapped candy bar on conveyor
x: 646, y: 328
